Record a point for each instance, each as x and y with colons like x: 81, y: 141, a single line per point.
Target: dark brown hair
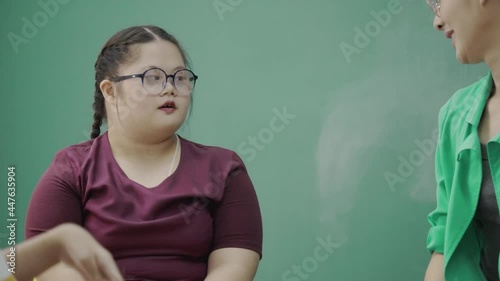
x: 117, y: 51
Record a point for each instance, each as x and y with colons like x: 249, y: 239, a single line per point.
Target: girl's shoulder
x: 213, y: 154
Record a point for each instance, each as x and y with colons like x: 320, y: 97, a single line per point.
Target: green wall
x: 360, y: 108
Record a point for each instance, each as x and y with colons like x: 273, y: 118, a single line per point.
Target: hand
x: 78, y: 249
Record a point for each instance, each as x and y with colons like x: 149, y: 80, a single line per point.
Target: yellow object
x: 10, y: 278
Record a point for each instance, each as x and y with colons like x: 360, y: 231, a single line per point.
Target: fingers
x: 89, y: 270
x: 98, y: 267
x: 108, y: 267
x: 88, y: 257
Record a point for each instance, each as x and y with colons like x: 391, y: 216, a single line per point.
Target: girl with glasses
x: 166, y: 208
x: 464, y: 237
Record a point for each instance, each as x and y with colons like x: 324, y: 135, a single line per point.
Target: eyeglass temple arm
x: 121, y: 78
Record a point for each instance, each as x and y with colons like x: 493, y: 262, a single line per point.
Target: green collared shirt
x: 453, y: 231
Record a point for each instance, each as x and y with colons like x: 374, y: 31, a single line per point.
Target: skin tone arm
x: 69, y: 244
x: 435, y: 270
x: 229, y: 264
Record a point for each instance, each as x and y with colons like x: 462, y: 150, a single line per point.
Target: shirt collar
x: 477, y: 102
x: 473, y: 107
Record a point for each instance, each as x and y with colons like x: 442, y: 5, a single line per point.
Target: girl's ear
x: 108, y: 91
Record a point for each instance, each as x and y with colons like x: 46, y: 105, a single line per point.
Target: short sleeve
x: 237, y: 218
x: 54, y: 200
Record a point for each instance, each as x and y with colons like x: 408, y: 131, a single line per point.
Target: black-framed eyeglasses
x: 154, y: 80
x: 435, y: 6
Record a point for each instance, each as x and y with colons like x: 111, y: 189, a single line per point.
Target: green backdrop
x: 351, y: 164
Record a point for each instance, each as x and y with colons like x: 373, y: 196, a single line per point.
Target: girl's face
x: 468, y: 23
x: 148, y: 110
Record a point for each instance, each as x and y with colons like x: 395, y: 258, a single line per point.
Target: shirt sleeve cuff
x: 435, y: 239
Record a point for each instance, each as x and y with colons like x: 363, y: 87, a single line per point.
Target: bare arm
x: 238, y: 230
x: 60, y: 272
x: 28, y: 262
x: 69, y: 244
x: 435, y: 270
x: 229, y: 264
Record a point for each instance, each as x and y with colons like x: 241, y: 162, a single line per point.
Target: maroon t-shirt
x: 161, y: 233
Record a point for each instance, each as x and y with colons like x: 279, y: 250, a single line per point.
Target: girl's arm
x: 70, y: 244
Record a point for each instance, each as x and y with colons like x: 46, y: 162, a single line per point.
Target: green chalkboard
x: 331, y: 104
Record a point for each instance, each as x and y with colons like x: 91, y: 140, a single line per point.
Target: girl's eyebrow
x: 154, y: 66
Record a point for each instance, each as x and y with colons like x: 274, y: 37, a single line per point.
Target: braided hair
x: 115, y: 52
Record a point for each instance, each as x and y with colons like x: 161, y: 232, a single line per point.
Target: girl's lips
x: 450, y: 35
x: 167, y: 110
x: 168, y: 104
x: 168, y: 107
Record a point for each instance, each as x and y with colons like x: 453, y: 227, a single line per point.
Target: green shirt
x: 453, y: 231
